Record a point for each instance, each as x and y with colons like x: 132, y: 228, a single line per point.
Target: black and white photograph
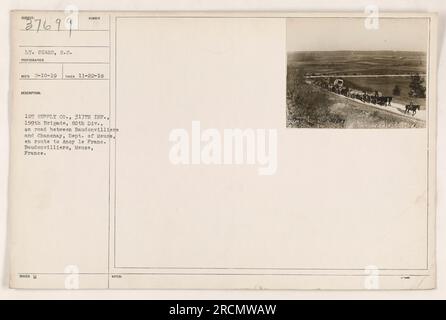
x: 352, y: 74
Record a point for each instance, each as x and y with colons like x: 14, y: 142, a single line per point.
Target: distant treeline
x: 359, y: 62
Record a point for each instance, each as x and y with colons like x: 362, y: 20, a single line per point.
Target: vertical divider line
x: 109, y: 150
x: 116, y: 142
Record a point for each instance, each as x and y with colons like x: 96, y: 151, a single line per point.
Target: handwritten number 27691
x: 42, y: 25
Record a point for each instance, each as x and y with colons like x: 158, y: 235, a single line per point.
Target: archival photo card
x: 203, y: 150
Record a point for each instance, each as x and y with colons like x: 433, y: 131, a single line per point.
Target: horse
x: 384, y: 100
x: 344, y: 91
x: 413, y: 108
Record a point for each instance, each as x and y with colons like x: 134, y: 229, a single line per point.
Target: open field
x: 358, y: 62
x: 362, y: 69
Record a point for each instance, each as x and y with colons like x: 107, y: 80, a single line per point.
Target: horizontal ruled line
x: 34, y: 79
x: 74, y: 30
x: 63, y: 62
x: 224, y: 274
x: 52, y: 46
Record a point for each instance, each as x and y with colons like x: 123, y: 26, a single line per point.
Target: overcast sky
x: 322, y: 34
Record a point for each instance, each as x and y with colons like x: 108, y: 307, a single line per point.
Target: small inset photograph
x: 345, y: 73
